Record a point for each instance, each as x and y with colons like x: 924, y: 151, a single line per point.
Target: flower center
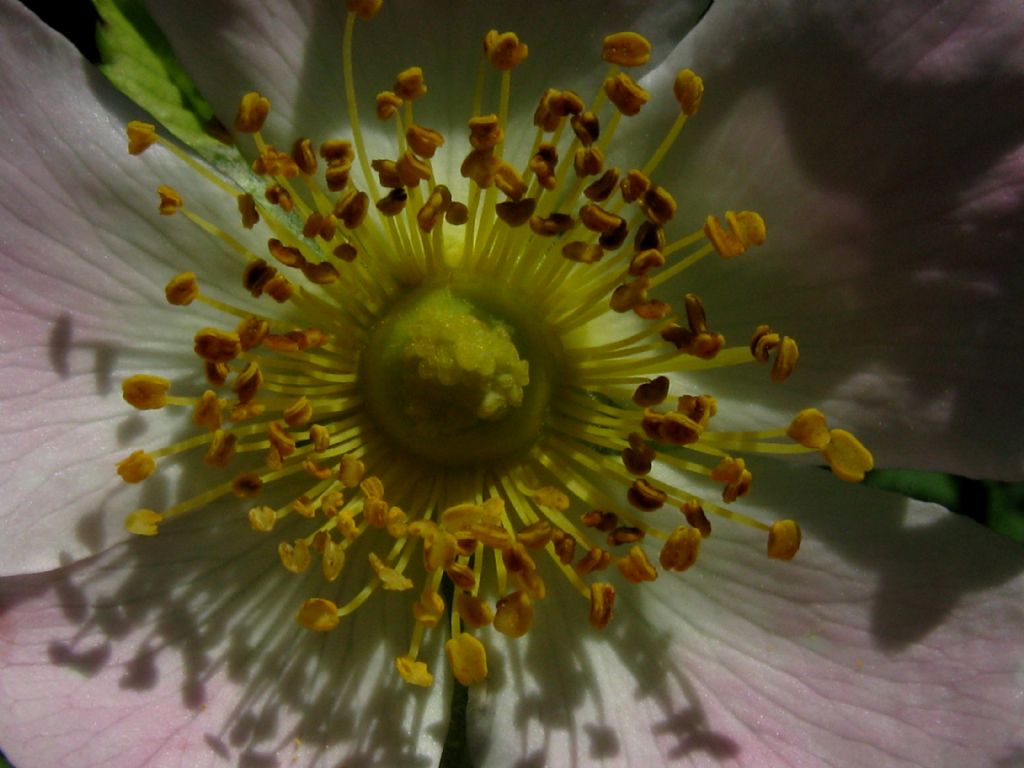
x: 458, y: 374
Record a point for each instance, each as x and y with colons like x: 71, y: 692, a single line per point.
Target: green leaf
x: 137, y: 58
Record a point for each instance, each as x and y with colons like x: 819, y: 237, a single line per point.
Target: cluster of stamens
x: 290, y: 404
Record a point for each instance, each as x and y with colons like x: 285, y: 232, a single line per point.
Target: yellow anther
x: 467, y: 658
x: 504, y: 50
x: 785, y: 359
x: 388, y: 103
x: 182, y: 289
x: 634, y: 185
x: 474, y: 611
x: 412, y: 671
x: 627, y: 49
x: 485, y: 132
x: 735, y: 475
x: 390, y: 579
x: 588, y: 161
x: 461, y: 516
x: 295, y: 557
x: 462, y: 576
x: 810, y: 429
x: 423, y: 141
x: 318, y: 615
x: 248, y: 411
x: 746, y: 228
x: 410, y: 84
x: 658, y: 205
x: 143, y: 522
x: 141, y: 136
x: 375, y: 512
x: 411, y: 170
x: 689, y: 90
x: 262, y: 518
x: 535, y: 535
x: 280, y: 439
x: 513, y: 614
x: 145, y: 392
x: 625, y: 94
x: 170, y: 200
x: 209, y: 410
x: 298, y: 413
x: 320, y: 436
x: 681, y: 549
x: 364, y: 9
x: 252, y: 331
x: 137, y: 467
x: 351, y: 208
x: 847, y: 456
x: 372, y: 487
x: 646, y: 497
x: 651, y: 392
x: 332, y: 559
x: 252, y: 112
x: 393, y: 203
x: 696, y: 517
x: 582, y: 253
x: 602, y: 603
x: 552, y: 497
x: 351, y: 471
x: 645, y: 261
x: 429, y: 609
x: 595, y: 559
x: 783, y: 540
x: 552, y: 225
x: 635, y: 567
x: 246, y: 485
x: 216, y: 346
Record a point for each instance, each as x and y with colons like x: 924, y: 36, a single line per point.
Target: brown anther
x: 273, y: 163
x: 457, y: 214
x: 364, y: 9
x: 565, y: 548
x: 252, y: 112
x: 735, y: 475
x: 623, y: 91
x: 596, y: 559
x: 393, y: 203
x: 281, y: 439
x: 582, y: 253
x: 635, y: 566
x: 485, y: 132
x: 141, y: 136
x: 649, y: 236
x: 170, y: 200
x: 588, y: 161
x: 279, y: 196
x: 651, y: 392
x: 634, y: 185
x: 658, y: 205
x: 614, y: 238
x: 311, y: 226
x: 696, y: 517
x: 765, y: 341
x: 628, y: 295
x: 387, y: 173
x: 328, y: 228
x: 337, y: 151
x: 517, y: 559
x: 137, y: 467
x: 679, y: 429
x: 625, y: 534
x: 602, y: 601
x: 681, y: 550
x: 216, y: 346
x: 208, y: 411
x: 492, y: 535
x: 248, y: 382
x: 351, y: 208
x: 221, y: 450
x: 216, y: 373
x: 351, y: 472
x: 689, y: 90
x: 375, y: 512
x: 543, y: 164
x: 303, y: 156
x: 644, y: 496
x: 462, y: 576
x: 783, y: 540
x: 433, y: 210
x: 481, y: 166
x: 298, y: 413
x: 182, y: 289
x: 597, y: 219
x: 509, y: 182
x: 247, y: 209
x: 423, y: 141
x: 321, y: 273
x: 627, y: 49
x: 700, y: 408
x: 409, y: 84
x: 388, y: 103
x: 601, y: 520
x: 554, y: 106
x: 515, y: 213
x: 638, y: 457
x: 645, y: 261
x: 256, y: 275
x: 587, y: 127
x: 535, y: 535
x: 504, y: 50
x: 411, y: 170
x: 746, y: 228
x: 653, y: 309
x: 337, y: 176
x: 286, y: 254
x: 552, y: 225
x: 697, y: 340
x: 601, y: 190
x: 346, y: 252
x: 473, y: 610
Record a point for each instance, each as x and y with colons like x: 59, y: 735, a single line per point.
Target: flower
x: 866, y: 647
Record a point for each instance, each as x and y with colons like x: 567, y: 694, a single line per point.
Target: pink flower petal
x: 893, y: 638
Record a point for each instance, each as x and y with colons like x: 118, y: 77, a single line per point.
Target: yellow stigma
x: 463, y: 390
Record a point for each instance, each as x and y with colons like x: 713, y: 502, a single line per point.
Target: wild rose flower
x: 892, y: 636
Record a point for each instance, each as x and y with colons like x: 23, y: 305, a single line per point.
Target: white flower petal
x: 183, y: 650
x: 884, y: 153
x: 85, y: 257
x: 893, y: 638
